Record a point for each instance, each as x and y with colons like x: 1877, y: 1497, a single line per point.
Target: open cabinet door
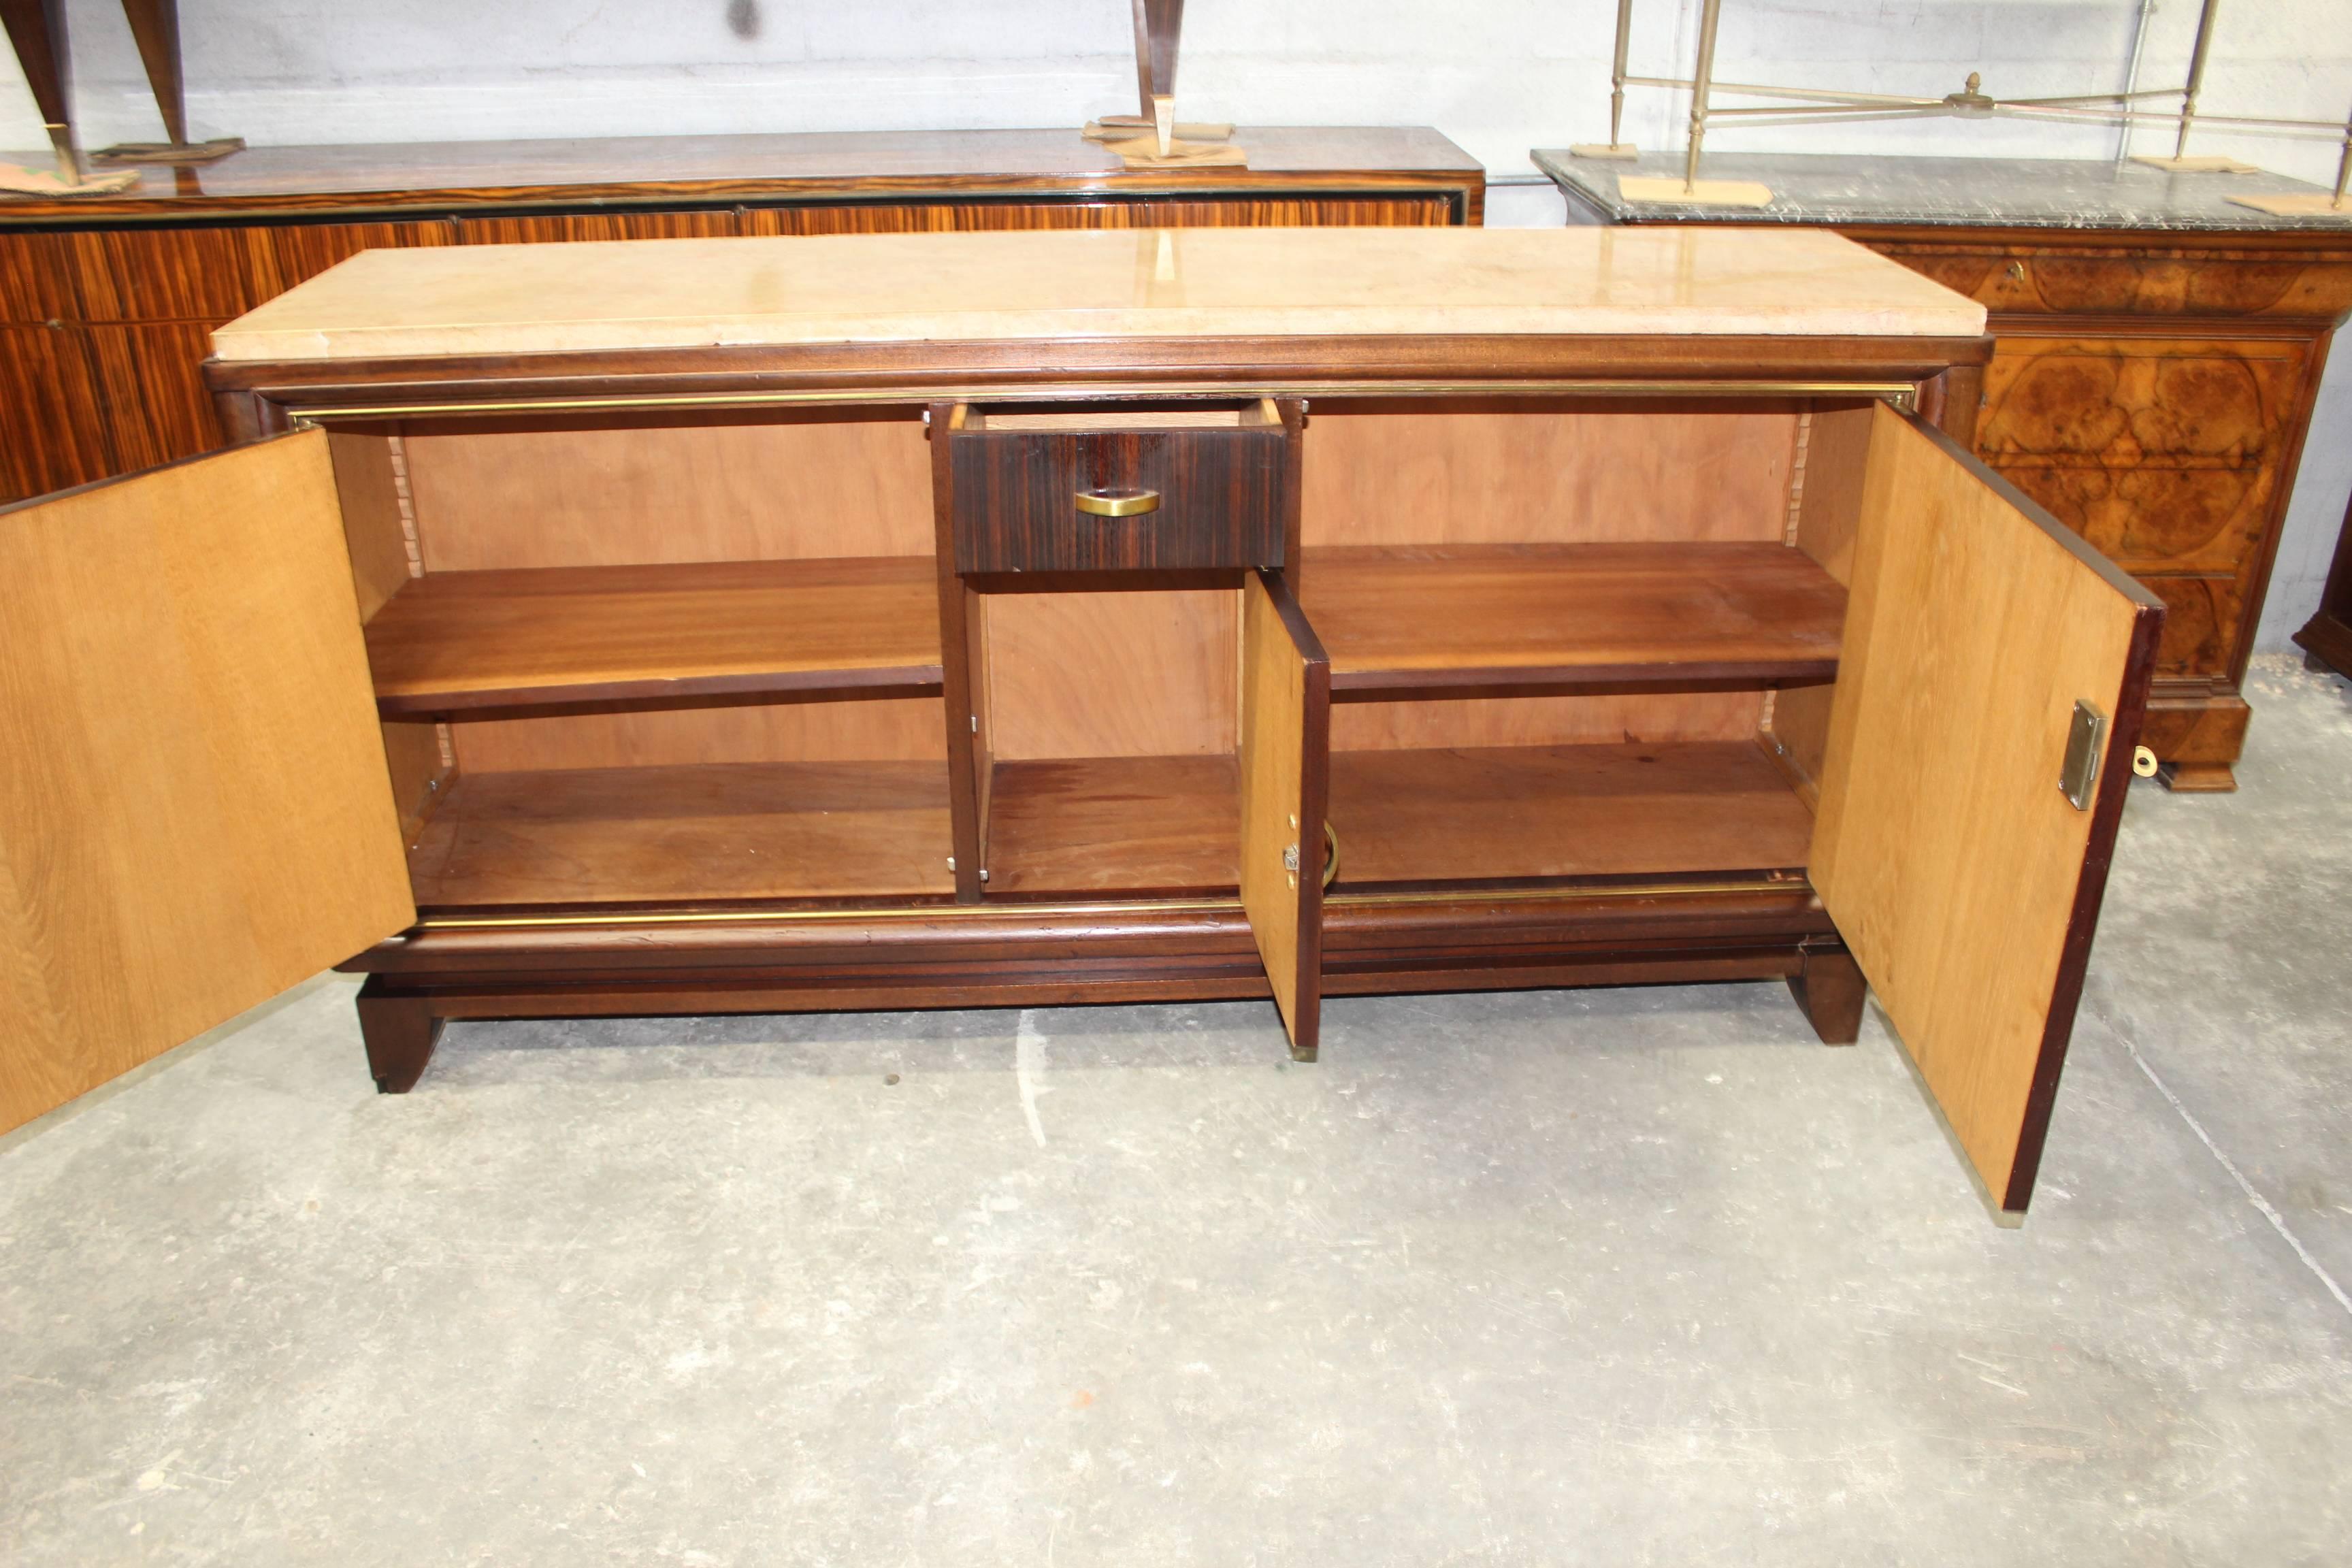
x: 1286, y: 756
x: 1948, y: 849
x: 195, y: 810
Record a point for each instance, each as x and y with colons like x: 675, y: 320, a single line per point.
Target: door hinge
x: 2086, y: 743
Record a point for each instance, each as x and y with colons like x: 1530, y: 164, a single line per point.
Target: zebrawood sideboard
x: 106, y: 303
x: 2158, y: 353
x: 1037, y: 618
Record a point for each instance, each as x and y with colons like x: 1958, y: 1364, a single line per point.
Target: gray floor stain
x: 1611, y: 1277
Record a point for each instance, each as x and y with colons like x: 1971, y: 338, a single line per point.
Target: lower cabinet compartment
x: 1522, y: 813
x: 692, y: 833
x: 1132, y: 825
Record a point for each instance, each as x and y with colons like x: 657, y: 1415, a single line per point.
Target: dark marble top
x: 2026, y: 192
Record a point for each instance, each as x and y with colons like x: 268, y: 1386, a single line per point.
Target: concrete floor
x: 1558, y: 1278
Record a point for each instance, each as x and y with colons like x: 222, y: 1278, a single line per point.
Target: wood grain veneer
x: 183, y: 648
x: 1951, y: 862
x: 1514, y: 812
x: 142, y: 276
x: 898, y: 729
x: 1126, y: 824
x: 1479, y: 618
x: 718, y: 831
x: 450, y: 642
x: 1219, y: 501
x: 1285, y: 767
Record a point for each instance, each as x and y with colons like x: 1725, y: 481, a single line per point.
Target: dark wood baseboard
x: 1006, y: 954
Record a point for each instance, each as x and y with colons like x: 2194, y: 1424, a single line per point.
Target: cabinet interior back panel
x: 1546, y: 720
x: 647, y: 491
x: 1113, y: 675
x: 892, y: 730
x: 1513, y: 472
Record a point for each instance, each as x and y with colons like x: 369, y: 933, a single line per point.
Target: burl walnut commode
x: 946, y: 620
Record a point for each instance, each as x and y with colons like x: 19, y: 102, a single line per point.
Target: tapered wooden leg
x: 1831, y: 989
x: 400, y: 1032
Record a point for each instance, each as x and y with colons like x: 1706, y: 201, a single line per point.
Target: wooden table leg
x: 1830, y: 988
x: 400, y: 1032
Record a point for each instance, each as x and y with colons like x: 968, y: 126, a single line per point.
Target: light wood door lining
x: 195, y: 810
x: 1964, y: 881
x: 1285, y: 778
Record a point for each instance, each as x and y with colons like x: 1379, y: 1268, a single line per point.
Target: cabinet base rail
x: 1069, y: 955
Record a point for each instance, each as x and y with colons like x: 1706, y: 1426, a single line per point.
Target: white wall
x: 1499, y: 76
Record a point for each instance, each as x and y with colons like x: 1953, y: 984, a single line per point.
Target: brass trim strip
x: 1134, y: 906
x: 1902, y: 394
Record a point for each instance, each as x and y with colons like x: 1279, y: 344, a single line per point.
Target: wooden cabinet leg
x: 399, y: 1032
x: 1831, y: 989
x: 2198, y: 778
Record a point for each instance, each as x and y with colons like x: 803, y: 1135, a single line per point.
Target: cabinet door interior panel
x: 455, y: 640
x: 890, y: 730
x: 630, y: 490
x: 184, y: 648
x: 1113, y: 675
x: 1526, y: 471
x: 1514, y: 812
x: 1126, y: 825
x: 1284, y: 772
x: 1962, y: 877
x: 1470, y: 616
x: 713, y: 831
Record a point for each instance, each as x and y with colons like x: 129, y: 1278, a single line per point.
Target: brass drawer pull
x: 1118, y: 503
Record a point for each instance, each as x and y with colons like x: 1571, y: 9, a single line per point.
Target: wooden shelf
x: 1508, y: 813
x: 1097, y: 825
x: 1491, y: 617
x: 712, y: 831
x: 453, y: 641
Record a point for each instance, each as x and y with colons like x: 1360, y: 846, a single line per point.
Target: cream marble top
x: 1200, y: 283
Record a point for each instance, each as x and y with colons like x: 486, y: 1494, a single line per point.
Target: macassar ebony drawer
x: 1185, y: 488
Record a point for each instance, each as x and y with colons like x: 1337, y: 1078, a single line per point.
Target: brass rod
x: 2343, y: 166
x: 1708, y: 17
x: 1896, y: 390
x: 2196, y: 75
x: 1617, y: 77
x: 958, y: 912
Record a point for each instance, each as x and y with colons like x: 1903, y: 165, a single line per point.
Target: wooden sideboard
x: 1047, y: 618
x: 2158, y: 351
x: 2327, y: 637
x: 106, y: 303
